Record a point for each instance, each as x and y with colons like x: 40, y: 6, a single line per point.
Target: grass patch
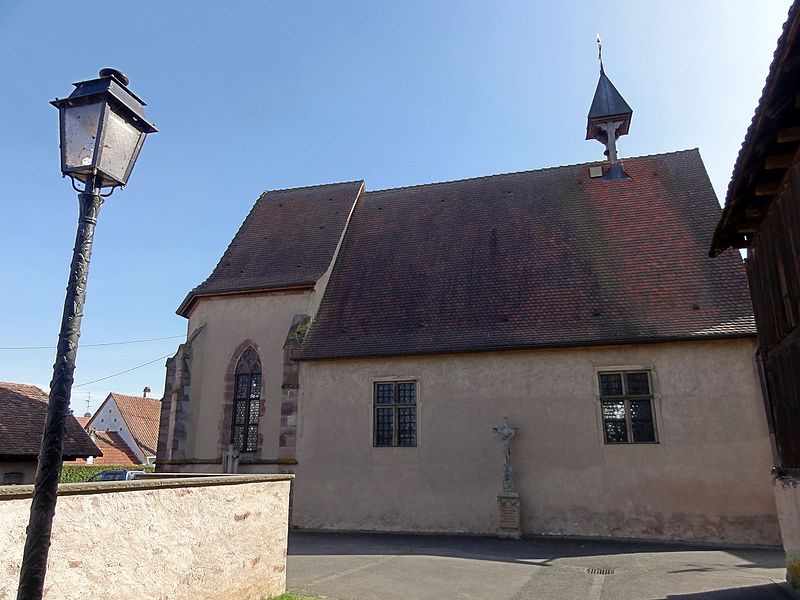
x: 291, y: 597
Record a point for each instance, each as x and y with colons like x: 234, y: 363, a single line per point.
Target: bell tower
x: 609, y: 118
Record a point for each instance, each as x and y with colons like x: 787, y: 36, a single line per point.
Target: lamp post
x: 102, y: 131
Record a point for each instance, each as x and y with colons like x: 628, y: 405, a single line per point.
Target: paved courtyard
x: 386, y: 567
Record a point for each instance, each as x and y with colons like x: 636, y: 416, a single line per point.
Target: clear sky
x: 250, y: 96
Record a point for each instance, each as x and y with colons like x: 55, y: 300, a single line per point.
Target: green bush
x: 78, y: 473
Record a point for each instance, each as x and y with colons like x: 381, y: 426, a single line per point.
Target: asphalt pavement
x: 345, y: 566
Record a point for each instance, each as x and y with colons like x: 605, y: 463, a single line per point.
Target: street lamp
x: 102, y: 131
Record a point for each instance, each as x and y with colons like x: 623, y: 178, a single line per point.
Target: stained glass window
x: 246, y: 402
x: 395, y: 420
x: 626, y: 401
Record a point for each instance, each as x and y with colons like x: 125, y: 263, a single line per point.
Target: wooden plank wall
x: 773, y: 267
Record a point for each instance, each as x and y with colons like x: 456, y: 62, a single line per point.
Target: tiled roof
x: 23, y: 409
x: 287, y: 240
x: 115, y: 450
x: 541, y: 258
x: 83, y: 421
x: 142, y: 416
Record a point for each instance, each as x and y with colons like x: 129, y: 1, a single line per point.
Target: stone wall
x: 787, y: 498
x: 210, y: 538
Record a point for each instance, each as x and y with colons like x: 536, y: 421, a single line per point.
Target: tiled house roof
x: 22, y: 415
x: 287, y: 240
x: 115, y: 450
x: 542, y: 258
x: 142, y: 416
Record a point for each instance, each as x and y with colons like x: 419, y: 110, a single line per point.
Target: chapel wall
x: 231, y: 324
x: 707, y: 479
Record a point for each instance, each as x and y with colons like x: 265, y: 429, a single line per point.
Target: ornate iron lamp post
x: 102, y: 131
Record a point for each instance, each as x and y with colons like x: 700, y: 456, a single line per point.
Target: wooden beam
x: 747, y: 227
x: 790, y: 134
x: 779, y: 161
x: 767, y: 189
x: 777, y: 108
x: 755, y: 213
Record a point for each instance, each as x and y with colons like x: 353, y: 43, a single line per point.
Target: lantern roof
x: 607, y: 105
x: 112, y: 85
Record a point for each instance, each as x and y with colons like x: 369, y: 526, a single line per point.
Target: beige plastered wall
x: 230, y: 320
x: 212, y: 538
x: 707, y: 479
x: 27, y: 468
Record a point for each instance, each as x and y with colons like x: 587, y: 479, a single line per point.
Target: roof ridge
x: 133, y: 396
x: 308, y: 187
x: 539, y: 170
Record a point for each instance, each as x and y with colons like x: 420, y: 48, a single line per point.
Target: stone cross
x: 505, y: 432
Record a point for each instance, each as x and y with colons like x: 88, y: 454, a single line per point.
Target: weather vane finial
x: 600, y: 51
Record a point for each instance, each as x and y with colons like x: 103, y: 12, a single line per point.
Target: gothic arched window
x: 246, y: 402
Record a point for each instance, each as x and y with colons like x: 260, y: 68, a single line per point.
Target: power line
x: 125, y: 371
x: 171, y: 337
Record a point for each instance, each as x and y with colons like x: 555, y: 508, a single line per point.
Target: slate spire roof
x: 607, y: 104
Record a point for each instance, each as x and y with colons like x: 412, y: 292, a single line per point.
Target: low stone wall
x: 787, y: 499
x: 219, y: 537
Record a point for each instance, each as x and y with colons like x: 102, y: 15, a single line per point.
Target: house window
x: 13, y: 478
x: 395, y: 418
x: 246, y: 402
x: 626, y: 400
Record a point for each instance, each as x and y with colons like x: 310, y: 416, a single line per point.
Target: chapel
x: 378, y: 344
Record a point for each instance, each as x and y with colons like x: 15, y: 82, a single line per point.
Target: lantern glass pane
x: 120, y: 143
x: 80, y: 133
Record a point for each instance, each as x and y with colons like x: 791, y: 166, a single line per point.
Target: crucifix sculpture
x: 505, y: 432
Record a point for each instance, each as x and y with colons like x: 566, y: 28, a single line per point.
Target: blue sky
x: 250, y: 96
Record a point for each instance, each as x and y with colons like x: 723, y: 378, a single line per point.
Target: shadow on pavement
x: 539, y: 551
x: 771, y: 591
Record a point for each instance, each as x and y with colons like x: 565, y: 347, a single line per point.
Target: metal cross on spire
x: 600, y: 51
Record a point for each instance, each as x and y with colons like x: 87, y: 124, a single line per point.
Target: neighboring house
x: 23, y: 409
x: 133, y: 420
x: 762, y: 214
x: 115, y: 451
x: 369, y: 341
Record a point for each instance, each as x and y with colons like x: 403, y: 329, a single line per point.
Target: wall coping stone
x: 164, y: 480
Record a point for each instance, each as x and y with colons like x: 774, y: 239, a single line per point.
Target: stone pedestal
x: 508, y: 503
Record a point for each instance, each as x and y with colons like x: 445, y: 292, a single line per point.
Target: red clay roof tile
x: 534, y: 259
x: 22, y: 414
x: 115, y: 451
x: 287, y: 240
x: 142, y: 416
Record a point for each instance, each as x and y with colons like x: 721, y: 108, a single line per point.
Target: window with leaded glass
x: 246, y: 402
x: 626, y: 401
x: 395, y: 413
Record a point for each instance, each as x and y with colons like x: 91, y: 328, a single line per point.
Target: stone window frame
x: 226, y: 422
x: 654, y: 397
x: 394, y: 379
x: 13, y: 478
